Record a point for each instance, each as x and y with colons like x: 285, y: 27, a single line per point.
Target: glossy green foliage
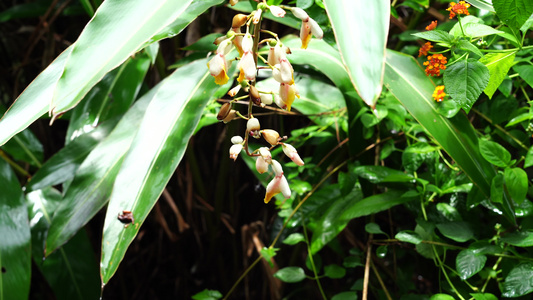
x: 15, y: 249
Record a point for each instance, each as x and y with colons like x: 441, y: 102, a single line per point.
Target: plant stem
x: 441, y: 266
x: 242, y: 276
x: 312, y: 261
x: 500, y: 128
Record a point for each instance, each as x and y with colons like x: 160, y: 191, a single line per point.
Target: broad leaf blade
x: 469, y: 263
x: 465, y: 80
x: 519, y: 281
x: 79, y: 278
x: 155, y: 153
x: 15, y: 252
x: 498, y: 65
x: 513, y: 12
x: 363, y: 51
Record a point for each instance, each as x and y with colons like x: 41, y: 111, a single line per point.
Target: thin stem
x: 461, y: 25
x: 14, y: 165
x: 383, y: 286
x: 242, y: 276
x: 500, y: 129
x: 488, y: 277
x: 311, y: 260
x: 441, y: 266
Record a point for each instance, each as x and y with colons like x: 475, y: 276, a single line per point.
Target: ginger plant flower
x: 277, y: 11
x: 234, y: 151
x: 305, y: 34
x: 287, y: 94
x: 435, y: 63
x: 247, y: 65
x: 439, y: 93
x: 291, y: 152
x: 424, y: 49
x: 271, y: 136
x: 286, y: 71
x: 265, y: 154
x: 218, y: 65
x: 460, y: 8
x: 261, y: 165
x: 432, y: 26
x: 278, y: 185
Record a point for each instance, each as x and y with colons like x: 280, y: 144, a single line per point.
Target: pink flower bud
x: 276, y: 167
x: 275, y: 54
x: 299, y: 13
x: 277, y: 11
x: 261, y: 165
x: 234, y: 151
x: 291, y: 152
x: 247, y: 67
x: 286, y: 71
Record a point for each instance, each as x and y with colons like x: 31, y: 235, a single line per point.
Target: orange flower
x: 432, y: 26
x: 439, y: 93
x: 460, y: 8
x: 424, y: 49
x: 435, y: 63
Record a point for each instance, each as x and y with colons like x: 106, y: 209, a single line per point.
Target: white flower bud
x: 299, y: 13
x: 265, y: 154
x: 276, y: 167
x: 257, y: 16
x: 253, y: 124
x: 277, y: 11
x: 276, y: 73
x: 225, y: 47
x: 266, y: 99
x: 291, y: 152
x: 234, y: 151
x: 236, y: 140
x: 315, y: 29
x: 271, y: 136
x: 261, y: 165
x: 284, y: 187
x: 234, y: 90
x: 286, y: 71
x: 247, y: 43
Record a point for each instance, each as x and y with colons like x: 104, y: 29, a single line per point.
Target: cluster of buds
x: 244, y: 36
x: 460, y: 8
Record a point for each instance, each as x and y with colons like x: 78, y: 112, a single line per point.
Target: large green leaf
x: 93, y: 181
x: 15, y: 252
x: 363, y: 51
x: 513, y: 12
x: 469, y: 263
x: 121, y: 28
x: 407, y: 81
x: 498, y: 65
x: 465, y: 80
x: 519, y: 281
x: 72, y: 271
x: 25, y: 147
x: 111, y: 97
x: 482, y: 4
x: 158, y: 147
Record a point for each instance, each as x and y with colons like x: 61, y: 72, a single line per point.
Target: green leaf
x: 304, y: 4
x: 79, y: 278
x: 207, y: 295
x: 377, y: 174
x: 408, y: 83
x: 498, y: 65
x: 513, y: 12
x: 64, y: 83
x: 158, y: 147
x: 496, y: 189
x: 364, y: 60
x: 347, y: 208
x: 25, y: 10
x: 409, y: 236
x: 15, y: 248
x: 93, y: 181
x: 527, y: 24
x: 465, y: 80
x: 62, y: 166
x: 449, y: 212
x: 414, y: 155
x: 458, y: 231
x: 268, y: 254
x: 345, y: 296
x: 466, y: 45
x: 475, y: 30
x: 111, y: 97
x: 290, y: 274
x: 334, y: 271
x: 519, y: 239
x: 373, y: 228
x: 529, y: 158
x: 516, y: 182
x: 294, y: 239
x: 468, y: 263
x: 494, y: 153
x: 482, y: 4
x: 438, y: 36
x: 441, y: 297
x: 25, y: 147
x: 519, y: 281
x: 526, y: 72
x: 484, y: 296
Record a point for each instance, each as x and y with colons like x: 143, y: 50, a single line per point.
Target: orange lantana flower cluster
x: 460, y: 8
x: 435, y: 63
x: 439, y: 93
x: 424, y: 49
x: 432, y: 26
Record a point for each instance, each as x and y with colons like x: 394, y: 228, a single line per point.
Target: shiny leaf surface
x: 363, y: 51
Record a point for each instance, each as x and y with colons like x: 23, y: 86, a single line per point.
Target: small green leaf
x: 498, y: 65
x: 352, y: 262
x: 482, y: 4
x: 334, y: 271
x: 374, y: 228
x: 382, y: 251
x: 529, y: 158
x: 435, y: 36
x: 345, y: 296
x: 475, y: 30
x: 441, y: 297
x: 465, y: 80
x: 466, y: 45
x: 294, y: 239
x: 458, y: 231
x: 377, y: 174
x: 526, y: 72
x: 304, y: 4
x: 290, y: 274
x: 409, y: 236
x: 513, y: 12
x: 519, y: 239
x: 527, y: 24
x: 268, y: 254
x: 468, y: 263
x: 484, y: 296
x: 449, y: 212
x: 519, y: 281
x: 516, y: 182
x: 207, y: 295
x: 416, y: 154
x: 496, y: 189
x: 494, y: 153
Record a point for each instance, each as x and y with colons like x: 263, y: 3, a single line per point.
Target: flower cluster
x: 434, y: 64
x: 244, y: 36
x: 460, y: 8
x: 432, y: 26
x: 424, y: 49
x: 439, y: 93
